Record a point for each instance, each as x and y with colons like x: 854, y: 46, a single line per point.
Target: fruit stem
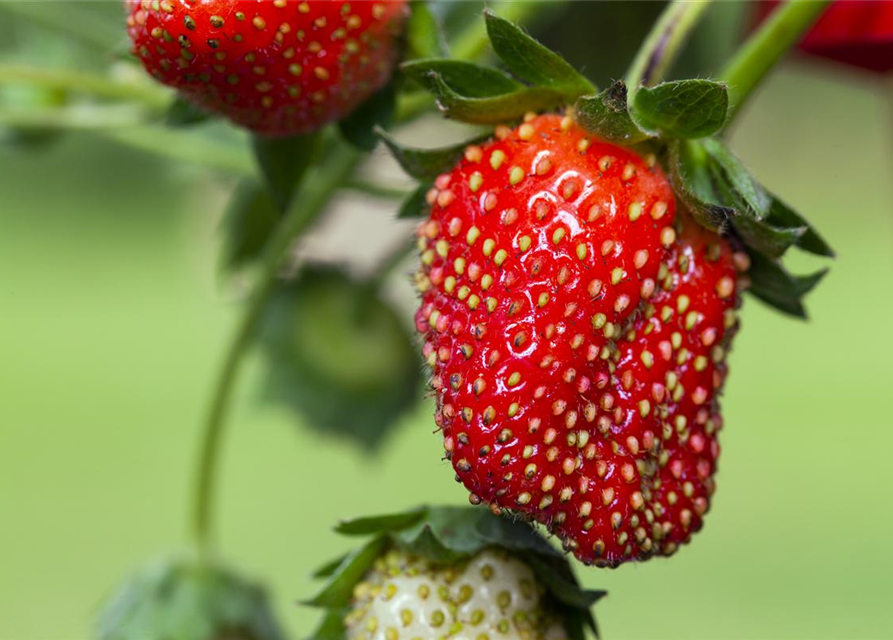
x: 664, y: 42
x: 95, y: 85
x: 753, y: 61
x: 71, y: 20
x: 320, y: 184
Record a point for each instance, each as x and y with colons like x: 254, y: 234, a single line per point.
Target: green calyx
x: 187, y: 601
x: 447, y: 536
x: 339, y: 354
x: 678, y: 120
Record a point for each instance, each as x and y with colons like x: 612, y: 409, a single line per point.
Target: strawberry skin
x: 577, y: 331
x: 659, y: 454
x: 277, y: 67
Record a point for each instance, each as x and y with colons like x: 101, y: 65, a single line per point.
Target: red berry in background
x: 576, y: 342
x: 858, y: 33
x: 278, y: 67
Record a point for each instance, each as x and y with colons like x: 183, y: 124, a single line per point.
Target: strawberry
x: 277, y: 67
x: 565, y: 390
x: 858, y: 33
x: 405, y: 597
x: 456, y: 573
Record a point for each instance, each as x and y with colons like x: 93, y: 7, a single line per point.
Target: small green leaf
x: 465, y: 78
x: 283, y: 162
x: 565, y: 590
x: 766, y: 239
x: 693, y: 186
x: 531, y: 61
x: 496, y: 109
x: 329, y: 568
x: 339, y: 591
x: 683, y: 108
x: 781, y: 215
x: 376, y: 112
x: 606, y: 116
x: 416, y: 204
x: 771, y: 283
x: 331, y: 627
x: 340, y: 356
x: 425, y: 164
x: 745, y: 188
x: 187, y: 600
x: 447, y: 534
x: 184, y: 113
x: 424, y: 36
x: 372, y: 525
x: 249, y: 221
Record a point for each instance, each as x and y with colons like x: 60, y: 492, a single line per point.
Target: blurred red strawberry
x: 854, y: 32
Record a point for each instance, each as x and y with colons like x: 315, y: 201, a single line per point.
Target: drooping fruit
x: 544, y: 261
x: 278, y: 67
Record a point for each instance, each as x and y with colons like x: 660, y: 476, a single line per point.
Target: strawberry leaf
x: 739, y: 182
x: 693, y: 186
x: 416, y: 204
x: 331, y: 627
x: 339, y: 355
x: 782, y: 215
x: 371, y: 525
x: 339, y: 590
x: 607, y: 116
x: 329, y: 568
x: 183, y: 113
x: 682, y: 108
x: 425, y: 164
x: 283, y: 161
x: 249, y: 221
x: 766, y: 239
x: 495, y: 109
x: 359, y: 128
x: 774, y: 285
x: 187, y: 600
x: 532, y: 62
x: 424, y: 35
x: 466, y: 78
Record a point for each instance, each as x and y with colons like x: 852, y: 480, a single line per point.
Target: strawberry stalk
x: 781, y: 31
x: 324, y: 181
x: 664, y: 42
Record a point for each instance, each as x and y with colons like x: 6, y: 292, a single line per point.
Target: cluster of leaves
x: 340, y: 355
x: 679, y: 120
x: 187, y: 600
x: 448, y: 535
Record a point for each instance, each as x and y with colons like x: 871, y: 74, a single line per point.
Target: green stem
x: 664, y: 42
x: 375, y: 190
x: 177, y: 145
x: 781, y: 31
x: 94, y: 119
x: 320, y: 184
x: 70, y: 20
x: 78, y: 82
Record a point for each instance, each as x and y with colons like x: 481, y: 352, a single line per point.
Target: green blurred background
x: 113, y: 318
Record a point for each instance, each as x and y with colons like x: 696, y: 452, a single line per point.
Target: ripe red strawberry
x: 855, y: 32
x: 547, y: 257
x: 278, y: 67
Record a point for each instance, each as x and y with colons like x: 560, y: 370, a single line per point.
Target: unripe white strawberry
x: 492, y: 596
